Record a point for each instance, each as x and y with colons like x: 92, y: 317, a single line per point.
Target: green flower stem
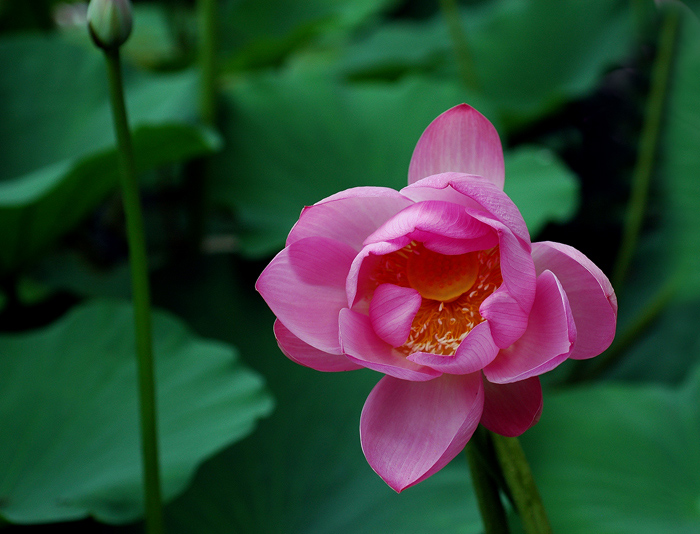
x: 197, y: 170
x: 465, y: 63
x: 648, y: 144
x: 141, y: 298
x: 518, y: 476
x: 208, y: 38
x: 485, y: 484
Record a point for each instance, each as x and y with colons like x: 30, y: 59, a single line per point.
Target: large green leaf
x: 668, y: 254
x: 541, y: 185
x: 528, y: 56
x: 68, y: 410
x: 259, y: 33
x: 38, y: 208
x: 680, y: 160
x: 57, y: 156
x: 303, y: 470
x: 620, y: 459
x: 293, y: 140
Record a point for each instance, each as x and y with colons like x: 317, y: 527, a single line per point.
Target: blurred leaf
x: 672, y: 335
x: 693, y: 5
x: 541, y: 185
x: 667, y: 348
x: 152, y: 42
x: 529, y: 56
x: 39, y: 207
x: 303, y: 470
x: 260, y: 33
x: 668, y: 253
x: 66, y: 270
x: 680, y: 160
x: 57, y: 160
x: 292, y: 141
x: 69, y: 413
x: 620, y: 459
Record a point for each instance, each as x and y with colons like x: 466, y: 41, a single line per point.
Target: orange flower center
x: 452, y: 286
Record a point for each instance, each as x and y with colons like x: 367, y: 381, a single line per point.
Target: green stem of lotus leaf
x: 197, y: 170
x: 465, y: 61
x: 140, y: 295
x: 521, y: 484
x: 648, y: 145
x: 208, y: 38
x: 486, y: 486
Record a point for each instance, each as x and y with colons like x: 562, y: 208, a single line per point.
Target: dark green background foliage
x: 312, y: 97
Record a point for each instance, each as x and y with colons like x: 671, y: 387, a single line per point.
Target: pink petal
x: 507, y: 319
x: 349, y: 216
x: 475, y: 352
x: 459, y: 140
x: 391, y: 312
x: 362, y: 346
x: 304, y: 285
x: 547, y: 342
x: 438, y: 225
x: 592, y: 298
x: 359, y: 283
x: 298, y: 351
x: 411, y: 430
x: 510, y: 409
x: 517, y: 267
x: 471, y: 192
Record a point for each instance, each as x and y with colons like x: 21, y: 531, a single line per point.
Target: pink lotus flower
x: 438, y: 287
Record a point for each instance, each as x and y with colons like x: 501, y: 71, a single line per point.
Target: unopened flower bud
x: 110, y: 22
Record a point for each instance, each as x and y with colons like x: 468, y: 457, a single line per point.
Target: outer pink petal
x: 471, y: 192
x: 298, y: 351
x: 475, y: 352
x: 391, y: 312
x: 349, y: 216
x: 592, y: 298
x: 510, y: 409
x: 362, y: 345
x: 459, y: 140
x: 411, y: 430
x: 304, y: 285
x: 547, y: 342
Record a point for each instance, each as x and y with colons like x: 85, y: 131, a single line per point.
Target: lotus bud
x: 110, y: 22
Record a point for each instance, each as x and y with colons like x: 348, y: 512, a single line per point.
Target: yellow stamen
x: 452, y: 287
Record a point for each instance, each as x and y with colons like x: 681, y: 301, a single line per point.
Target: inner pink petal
x: 349, y: 216
x: 547, y: 342
x: 444, y: 219
x: 472, y: 192
x: 474, y: 352
x: 363, y: 346
x: 507, y: 319
x: 391, y: 312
